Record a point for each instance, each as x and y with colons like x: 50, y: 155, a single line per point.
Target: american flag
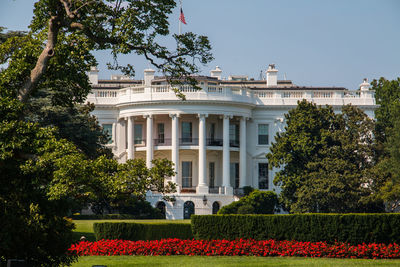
x: 182, y: 17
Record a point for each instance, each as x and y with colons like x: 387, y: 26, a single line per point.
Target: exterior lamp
x: 205, y: 200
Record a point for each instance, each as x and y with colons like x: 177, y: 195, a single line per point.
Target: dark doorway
x: 188, y: 209
x: 161, y: 206
x: 215, y: 207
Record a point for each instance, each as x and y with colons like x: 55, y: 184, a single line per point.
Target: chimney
x: 216, y: 73
x: 365, y: 85
x: 272, y: 76
x: 93, y: 75
x: 148, y: 76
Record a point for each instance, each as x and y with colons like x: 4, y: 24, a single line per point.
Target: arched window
x: 161, y: 206
x: 215, y: 207
x: 188, y: 209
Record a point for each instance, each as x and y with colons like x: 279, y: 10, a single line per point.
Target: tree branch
x: 42, y: 62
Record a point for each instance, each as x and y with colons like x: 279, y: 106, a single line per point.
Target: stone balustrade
x: 271, y: 97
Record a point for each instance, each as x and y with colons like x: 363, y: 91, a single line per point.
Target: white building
x: 217, y: 138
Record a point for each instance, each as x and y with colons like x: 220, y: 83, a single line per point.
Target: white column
x: 175, y: 147
x: 242, y: 153
x: 130, y: 138
x: 202, y: 187
x: 149, y: 140
x: 226, y: 157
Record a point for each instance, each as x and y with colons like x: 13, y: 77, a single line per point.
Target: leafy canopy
x: 387, y: 115
x: 45, y: 75
x: 325, y: 159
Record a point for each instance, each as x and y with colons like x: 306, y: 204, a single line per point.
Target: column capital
x: 226, y: 116
x: 202, y: 115
x: 245, y: 118
x: 174, y: 115
x: 148, y: 116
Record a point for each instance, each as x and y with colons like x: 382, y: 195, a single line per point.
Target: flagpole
x: 180, y: 23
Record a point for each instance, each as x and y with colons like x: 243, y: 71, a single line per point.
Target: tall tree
x: 387, y: 115
x: 325, y: 160
x: 48, y: 65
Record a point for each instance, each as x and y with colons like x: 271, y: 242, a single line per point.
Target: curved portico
x: 199, y: 144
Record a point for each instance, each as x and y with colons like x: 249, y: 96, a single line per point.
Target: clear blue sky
x: 314, y: 42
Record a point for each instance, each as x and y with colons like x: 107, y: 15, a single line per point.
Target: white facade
x: 217, y: 138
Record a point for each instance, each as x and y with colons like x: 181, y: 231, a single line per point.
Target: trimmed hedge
x: 103, y: 217
x: 142, y: 231
x: 351, y: 228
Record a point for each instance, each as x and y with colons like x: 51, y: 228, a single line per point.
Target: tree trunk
x: 42, y: 62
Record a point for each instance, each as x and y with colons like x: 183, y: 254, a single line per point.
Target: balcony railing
x: 214, y: 142
x: 215, y: 190
x: 139, y: 142
x: 234, y: 143
x: 162, y: 142
x: 188, y: 141
x: 188, y: 190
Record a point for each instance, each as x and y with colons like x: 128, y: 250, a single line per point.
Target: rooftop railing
x: 284, y: 96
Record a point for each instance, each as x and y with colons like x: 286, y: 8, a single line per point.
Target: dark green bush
x: 247, y: 190
x: 262, y: 202
x: 142, y: 231
x: 352, y: 228
x: 245, y: 209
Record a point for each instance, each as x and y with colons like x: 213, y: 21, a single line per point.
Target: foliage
x: 247, y: 190
x: 44, y: 83
x: 110, y: 186
x: 387, y: 172
x: 257, y: 202
x: 351, y: 228
x: 325, y: 160
x: 240, y: 247
x: 9, y: 34
x: 33, y: 227
x: 387, y: 95
x: 142, y: 231
x: 139, y: 209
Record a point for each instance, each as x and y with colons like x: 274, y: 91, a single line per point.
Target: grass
x: 194, y: 261
x: 85, y: 227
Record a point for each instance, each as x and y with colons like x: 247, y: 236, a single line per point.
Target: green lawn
x: 85, y: 227
x: 193, y: 261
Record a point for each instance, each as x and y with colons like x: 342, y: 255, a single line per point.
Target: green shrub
x: 262, y: 202
x: 142, y: 231
x: 352, y: 228
x: 245, y: 209
x: 247, y: 190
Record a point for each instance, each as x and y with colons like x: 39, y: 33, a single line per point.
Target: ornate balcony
x: 162, y: 142
x: 214, y: 142
x: 188, y: 141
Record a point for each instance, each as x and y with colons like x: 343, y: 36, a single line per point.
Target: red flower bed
x: 242, y: 247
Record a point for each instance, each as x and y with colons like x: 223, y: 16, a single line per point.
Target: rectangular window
x: 234, y: 135
x: 107, y: 129
x: 138, y: 134
x: 263, y: 175
x: 211, y: 169
x: 234, y: 173
x: 263, y: 134
x: 212, y: 131
x: 186, y: 132
x: 186, y: 174
x: 160, y: 128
